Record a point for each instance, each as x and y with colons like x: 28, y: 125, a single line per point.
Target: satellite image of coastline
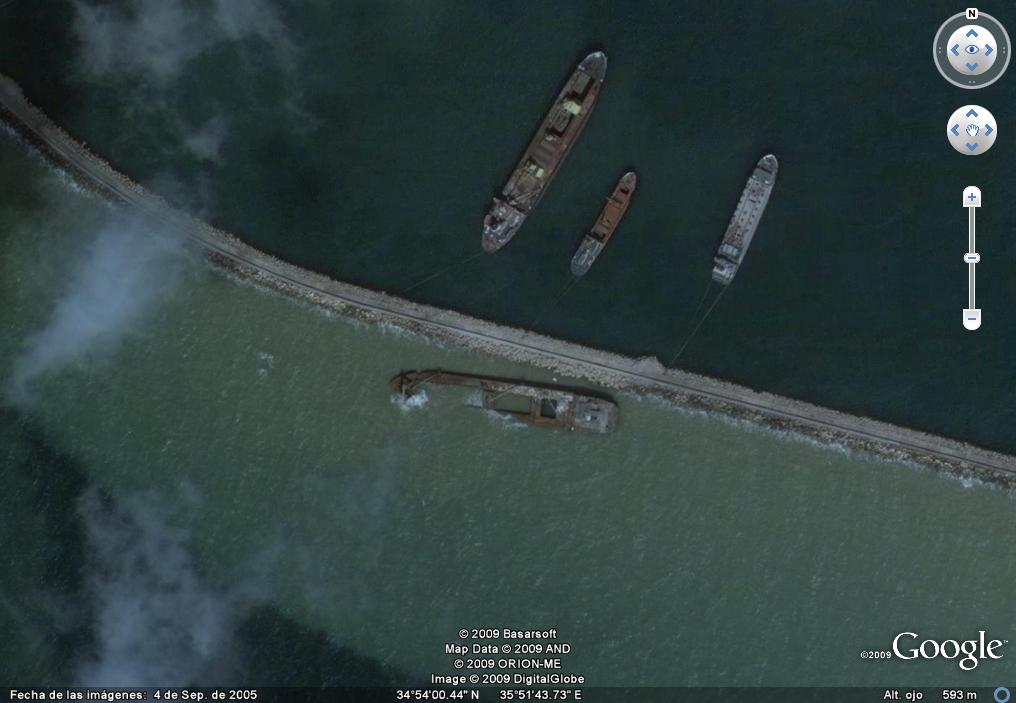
x: 299, y: 386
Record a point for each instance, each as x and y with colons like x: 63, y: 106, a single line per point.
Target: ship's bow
x: 595, y: 65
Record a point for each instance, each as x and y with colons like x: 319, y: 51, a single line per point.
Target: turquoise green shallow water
x: 222, y: 450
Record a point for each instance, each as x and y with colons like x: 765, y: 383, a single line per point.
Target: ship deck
x: 643, y: 376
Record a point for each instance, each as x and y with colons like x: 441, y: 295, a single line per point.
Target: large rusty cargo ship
x: 745, y: 221
x: 531, y: 403
x: 610, y: 217
x: 546, y: 152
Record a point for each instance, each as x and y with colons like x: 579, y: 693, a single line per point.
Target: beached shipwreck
x: 532, y: 403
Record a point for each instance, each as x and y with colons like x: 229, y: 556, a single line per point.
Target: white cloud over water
x: 155, y: 39
x: 205, y: 143
x: 149, y: 52
x: 127, y: 270
x: 159, y: 619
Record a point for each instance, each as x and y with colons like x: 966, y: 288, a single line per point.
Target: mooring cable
x: 695, y: 329
x: 553, y: 301
x: 698, y: 308
x: 446, y: 269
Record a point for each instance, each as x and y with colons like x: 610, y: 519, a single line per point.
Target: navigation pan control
x: 971, y: 49
x: 971, y: 130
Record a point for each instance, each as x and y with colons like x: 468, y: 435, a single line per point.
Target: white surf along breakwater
x: 637, y: 375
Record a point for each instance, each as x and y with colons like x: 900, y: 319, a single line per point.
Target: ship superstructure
x: 745, y: 221
x: 606, y: 224
x: 548, y: 149
x: 534, y: 404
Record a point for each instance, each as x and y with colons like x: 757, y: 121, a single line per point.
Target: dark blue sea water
x: 369, y: 146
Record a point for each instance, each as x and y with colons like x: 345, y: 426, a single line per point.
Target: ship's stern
x: 593, y: 415
x: 500, y: 224
x: 587, y: 252
x: 723, y: 270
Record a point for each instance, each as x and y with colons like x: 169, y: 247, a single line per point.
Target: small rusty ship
x: 745, y: 220
x: 610, y: 217
x: 531, y: 403
x: 543, y: 157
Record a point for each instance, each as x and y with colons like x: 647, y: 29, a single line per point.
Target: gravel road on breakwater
x: 642, y: 376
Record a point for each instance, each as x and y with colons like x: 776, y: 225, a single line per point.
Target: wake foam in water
x: 408, y: 403
x: 66, y: 180
x: 504, y: 420
x: 754, y: 427
x: 825, y: 444
x: 393, y: 330
x: 266, y: 362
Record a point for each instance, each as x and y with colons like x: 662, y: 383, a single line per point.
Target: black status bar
x: 903, y: 694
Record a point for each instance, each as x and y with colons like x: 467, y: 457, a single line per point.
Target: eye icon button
x: 971, y: 55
